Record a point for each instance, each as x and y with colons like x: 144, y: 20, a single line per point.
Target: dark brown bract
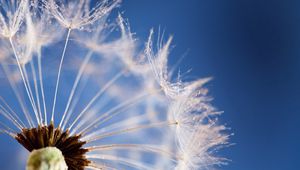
x: 48, y: 136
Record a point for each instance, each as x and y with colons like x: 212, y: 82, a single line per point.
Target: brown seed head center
x: 45, y: 136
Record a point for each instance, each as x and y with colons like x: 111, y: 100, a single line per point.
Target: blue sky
x: 251, y: 48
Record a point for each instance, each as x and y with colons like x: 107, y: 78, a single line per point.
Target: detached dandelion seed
x: 80, y: 93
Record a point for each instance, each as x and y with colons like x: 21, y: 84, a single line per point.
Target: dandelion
x: 95, y: 99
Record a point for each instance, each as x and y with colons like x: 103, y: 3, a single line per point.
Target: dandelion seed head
x: 86, y: 87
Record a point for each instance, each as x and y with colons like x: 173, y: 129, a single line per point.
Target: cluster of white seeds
x: 67, y: 64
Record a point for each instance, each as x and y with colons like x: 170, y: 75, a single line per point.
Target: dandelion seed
x: 77, y: 14
x: 12, y: 17
x: 89, y: 100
